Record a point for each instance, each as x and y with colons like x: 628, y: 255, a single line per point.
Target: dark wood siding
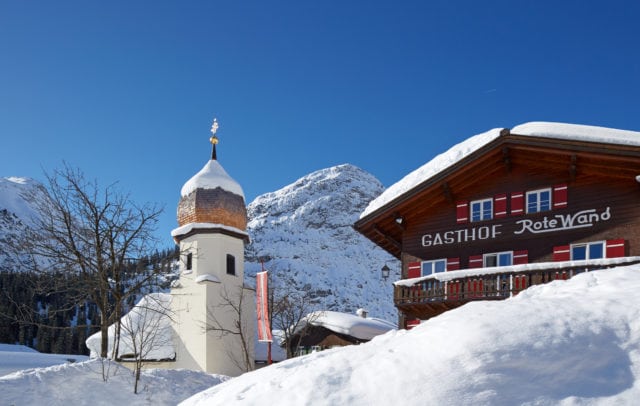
x: 586, y: 192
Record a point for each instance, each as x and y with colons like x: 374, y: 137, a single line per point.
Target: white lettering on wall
x: 464, y: 235
x: 558, y: 222
x: 581, y: 219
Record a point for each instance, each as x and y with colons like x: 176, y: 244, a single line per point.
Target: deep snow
x: 82, y: 384
x: 574, y: 342
x: 567, y: 342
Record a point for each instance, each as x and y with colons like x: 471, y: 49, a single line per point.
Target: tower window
x: 189, y: 261
x: 231, y: 264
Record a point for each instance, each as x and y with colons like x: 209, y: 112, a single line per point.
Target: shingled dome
x: 211, y: 199
x: 212, y: 196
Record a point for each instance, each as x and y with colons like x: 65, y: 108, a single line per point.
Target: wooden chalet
x: 508, y: 209
x: 318, y: 338
x: 322, y: 330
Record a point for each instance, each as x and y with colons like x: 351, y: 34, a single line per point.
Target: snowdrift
x: 567, y: 342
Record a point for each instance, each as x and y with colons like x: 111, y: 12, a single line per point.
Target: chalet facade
x: 508, y: 209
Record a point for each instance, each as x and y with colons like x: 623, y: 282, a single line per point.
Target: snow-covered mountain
x: 18, y: 200
x: 303, y: 233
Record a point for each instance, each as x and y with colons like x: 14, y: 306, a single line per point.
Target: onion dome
x: 211, y: 197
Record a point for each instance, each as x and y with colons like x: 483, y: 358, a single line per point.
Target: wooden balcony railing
x: 491, y: 286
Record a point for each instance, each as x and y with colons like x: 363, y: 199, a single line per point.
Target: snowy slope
x: 570, y: 342
x: 304, y: 234
x: 18, y: 357
x: 18, y: 200
x: 82, y: 384
x: 19, y: 196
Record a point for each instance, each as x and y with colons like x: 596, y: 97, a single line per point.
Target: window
x: 481, y: 210
x: 231, y: 265
x: 189, y: 263
x: 435, y: 266
x: 591, y: 250
x: 538, y: 200
x: 498, y: 259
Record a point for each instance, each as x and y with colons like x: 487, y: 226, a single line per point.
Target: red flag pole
x: 267, y: 298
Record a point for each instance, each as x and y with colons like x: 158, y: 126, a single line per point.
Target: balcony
x: 429, y: 296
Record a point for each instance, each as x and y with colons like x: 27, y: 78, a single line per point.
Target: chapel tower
x: 210, y: 301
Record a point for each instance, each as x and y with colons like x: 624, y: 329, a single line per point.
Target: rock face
x: 303, y: 233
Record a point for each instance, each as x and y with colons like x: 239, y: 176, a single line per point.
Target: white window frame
x: 538, y: 192
x: 497, y: 256
x: 482, y: 212
x: 588, y: 246
x: 433, y: 263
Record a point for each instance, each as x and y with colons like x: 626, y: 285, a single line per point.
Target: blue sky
x: 127, y: 90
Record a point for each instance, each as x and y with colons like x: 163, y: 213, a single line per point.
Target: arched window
x: 231, y: 264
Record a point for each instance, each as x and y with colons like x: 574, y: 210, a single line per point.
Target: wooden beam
x: 388, y: 238
x: 506, y: 159
x: 447, y: 192
x: 573, y: 167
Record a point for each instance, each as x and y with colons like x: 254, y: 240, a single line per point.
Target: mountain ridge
x: 303, y: 232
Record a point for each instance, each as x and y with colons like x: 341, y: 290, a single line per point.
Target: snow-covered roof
x: 212, y: 176
x: 207, y: 278
x: 343, y: 323
x: 578, y: 132
x: 432, y: 168
x: 470, y: 145
x: 149, y: 324
x: 187, y: 228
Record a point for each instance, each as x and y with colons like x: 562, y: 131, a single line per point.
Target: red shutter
x: 517, y: 203
x: 500, y: 206
x: 520, y: 257
x: 560, y: 196
x: 414, y: 270
x: 615, y: 248
x: 475, y: 261
x: 453, y: 264
x: 562, y: 253
x: 409, y: 324
x: 462, y: 212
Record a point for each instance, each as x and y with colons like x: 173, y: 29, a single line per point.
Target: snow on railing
x: 495, y: 282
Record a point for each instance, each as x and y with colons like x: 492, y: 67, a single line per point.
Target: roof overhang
x: 386, y: 224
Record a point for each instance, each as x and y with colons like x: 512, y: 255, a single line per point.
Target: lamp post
x: 385, y: 272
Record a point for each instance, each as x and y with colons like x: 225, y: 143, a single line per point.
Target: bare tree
x: 234, y: 302
x: 146, y: 333
x: 91, y: 233
x: 292, y: 312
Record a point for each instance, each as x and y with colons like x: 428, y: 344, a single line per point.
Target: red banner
x: 262, y: 307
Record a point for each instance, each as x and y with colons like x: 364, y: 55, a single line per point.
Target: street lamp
x: 385, y: 272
